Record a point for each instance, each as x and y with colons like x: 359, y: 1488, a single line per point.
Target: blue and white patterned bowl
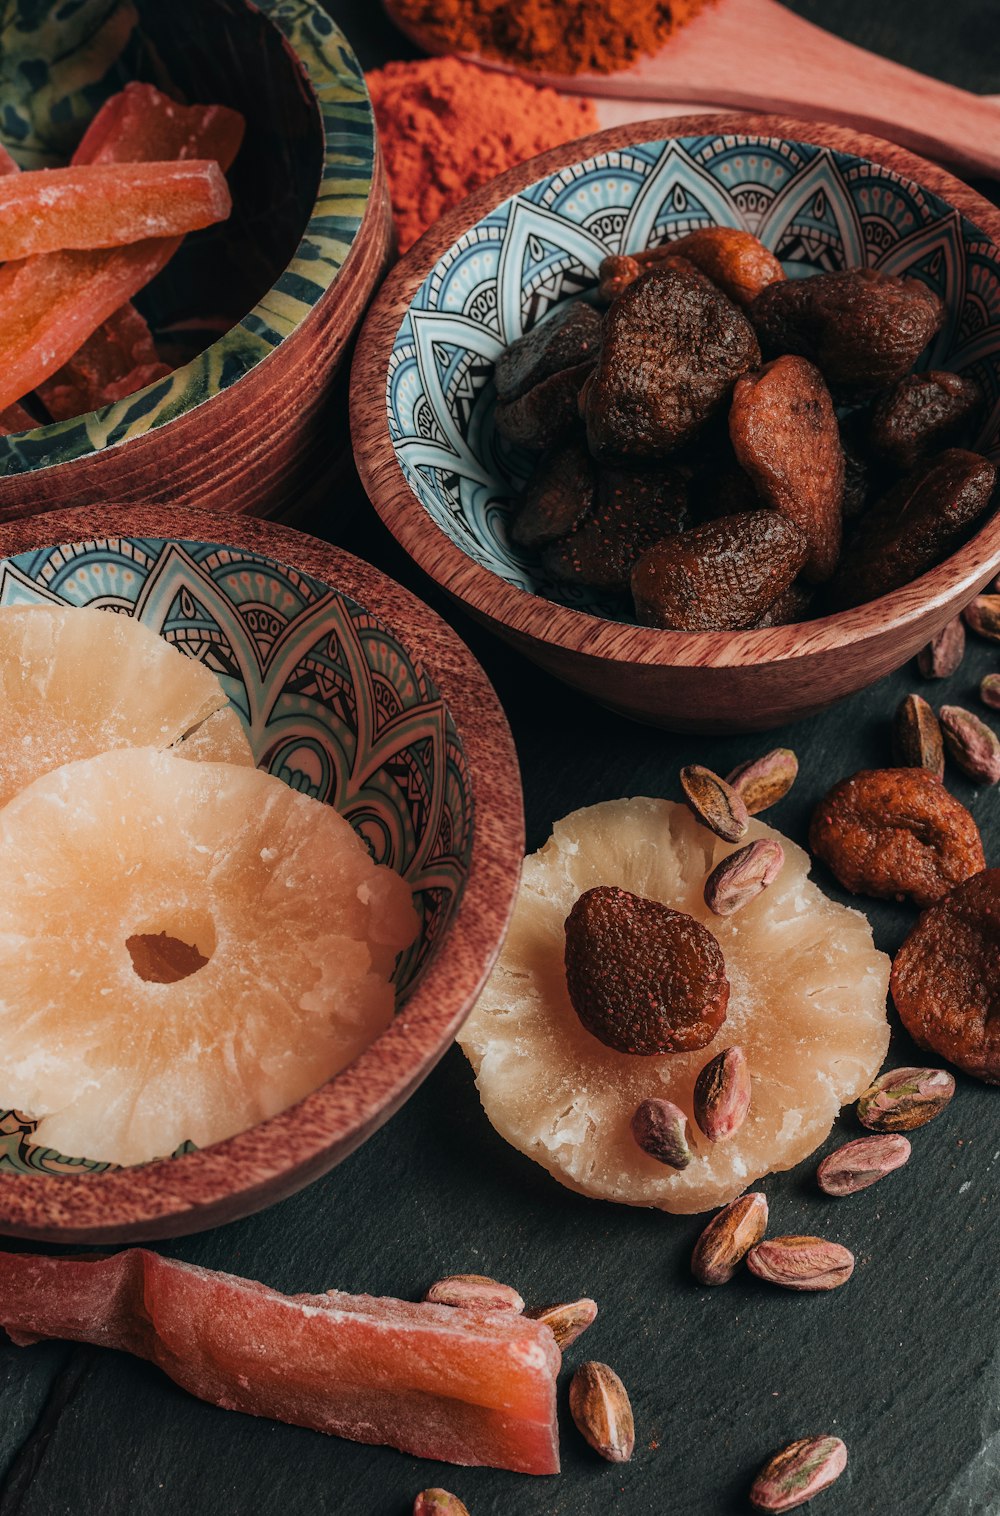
x: 499, y: 264
x: 353, y: 692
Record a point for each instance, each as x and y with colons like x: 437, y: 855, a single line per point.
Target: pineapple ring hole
x: 165, y: 952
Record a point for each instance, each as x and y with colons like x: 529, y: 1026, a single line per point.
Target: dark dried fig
x: 672, y: 349
x: 784, y: 433
x: 862, y: 328
x: 643, y: 978
x: 920, y: 415
x: 896, y: 834
x: 557, y: 496
x: 631, y: 512
x: 720, y: 576
x: 792, y: 606
x: 919, y: 522
x: 619, y: 270
x: 945, y: 981
x: 570, y: 336
x: 546, y: 414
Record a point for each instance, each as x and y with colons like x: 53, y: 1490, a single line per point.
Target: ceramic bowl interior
x: 300, y: 182
x: 331, y: 700
x: 816, y: 208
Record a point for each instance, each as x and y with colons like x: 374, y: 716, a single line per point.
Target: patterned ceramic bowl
x: 423, y: 398
x: 254, y: 314
x: 354, y: 692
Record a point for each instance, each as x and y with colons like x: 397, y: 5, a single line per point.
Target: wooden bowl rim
x: 581, y: 632
x: 290, y: 1149
x: 318, y: 53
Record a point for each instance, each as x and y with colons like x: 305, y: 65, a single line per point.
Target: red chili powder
x: 447, y: 127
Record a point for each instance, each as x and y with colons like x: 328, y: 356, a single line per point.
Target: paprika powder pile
x: 551, y: 36
x: 446, y: 127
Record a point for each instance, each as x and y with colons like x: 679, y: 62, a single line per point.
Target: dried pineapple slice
x: 807, y: 1006
x: 75, y: 681
x: 296, y: 932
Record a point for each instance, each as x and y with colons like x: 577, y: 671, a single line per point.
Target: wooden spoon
x: 755, y: 54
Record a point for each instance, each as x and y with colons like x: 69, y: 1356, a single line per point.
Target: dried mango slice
x: 432, y: 1380
x: 807, y: 1006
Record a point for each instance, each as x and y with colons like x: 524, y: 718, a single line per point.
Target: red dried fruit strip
x: 896, y: 834
x: 643, y: 978
x: 462, y: 1386
x: 945, y: 979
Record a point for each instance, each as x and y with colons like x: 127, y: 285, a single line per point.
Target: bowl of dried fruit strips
x: 193, y: 366
x: 268, y: 816
x: 700, y: 415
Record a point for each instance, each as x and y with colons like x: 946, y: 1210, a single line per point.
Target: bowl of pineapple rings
x: 248, y: 899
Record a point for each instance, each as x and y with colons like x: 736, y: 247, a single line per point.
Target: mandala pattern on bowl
x: 816, y: 209
x: 329, y: 697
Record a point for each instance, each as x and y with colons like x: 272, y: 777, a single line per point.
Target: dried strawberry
x: 896, y: 834
x: 631, y: 512
x: 557, y: 495
x: 785, y: 435
x: 945, y: 979
x: 921, y: 414
x: 863, y: 329
x: 792, y: 606
x: 918, y: 523
x: 720, y: 576
x: 643, y: 978
x: 570, y: 336
x: 672, y: 348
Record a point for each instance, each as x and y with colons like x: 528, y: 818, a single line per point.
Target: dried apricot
x: 672, y: 348
x: 631, y: 512
x: 921, y: 414
x: 945, y: 981
x: 896, y: 834
x: 735, y: 260
x: 918, y: 523
x: 547, y: 413
x: 570, y: 336
x: 785, y: 435
x: 862, y: 328
x: 720, y: 576
x: 557, y: 495
x: 641, y: 977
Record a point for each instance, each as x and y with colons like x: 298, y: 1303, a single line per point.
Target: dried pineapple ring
x: 75, y: 681
x: 300, y: 930
x: 807, y: 1007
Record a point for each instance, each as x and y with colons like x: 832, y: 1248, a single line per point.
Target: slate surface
x: 904, y: 1363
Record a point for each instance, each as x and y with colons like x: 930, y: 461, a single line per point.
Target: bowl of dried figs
x: 700, y: 415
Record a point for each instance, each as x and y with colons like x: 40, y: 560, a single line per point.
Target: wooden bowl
x: 258, y: 312
x: 392, y: 720
x: 440, y: 478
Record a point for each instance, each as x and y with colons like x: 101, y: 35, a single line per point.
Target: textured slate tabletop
x: 904, y: 1363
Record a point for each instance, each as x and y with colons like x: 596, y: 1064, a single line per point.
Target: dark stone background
x: 904, y: 1363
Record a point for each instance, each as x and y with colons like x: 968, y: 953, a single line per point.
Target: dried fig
x: 784, y: 433
x: 630, y: 513
x: 921, y: 414
x: 673, y: 347
x: 945, y: 982
x: 570, y: 336
x: 557, y: 496
x: 918, y: 523
x: 896, y: 834
x: 619, y: 270
x: 643, y: 978
x: 719, y: 576
x: 546, y: 414
x: 862, y: 328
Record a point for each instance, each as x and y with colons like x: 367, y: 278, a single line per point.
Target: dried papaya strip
x: 117, y: 360
x: 108, y: 205
x: 142, y: 125
x: 469, y: 1387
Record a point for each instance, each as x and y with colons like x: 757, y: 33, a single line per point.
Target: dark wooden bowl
x: 259, y: 312
x: 713, y: 682
x: 460, y: 839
